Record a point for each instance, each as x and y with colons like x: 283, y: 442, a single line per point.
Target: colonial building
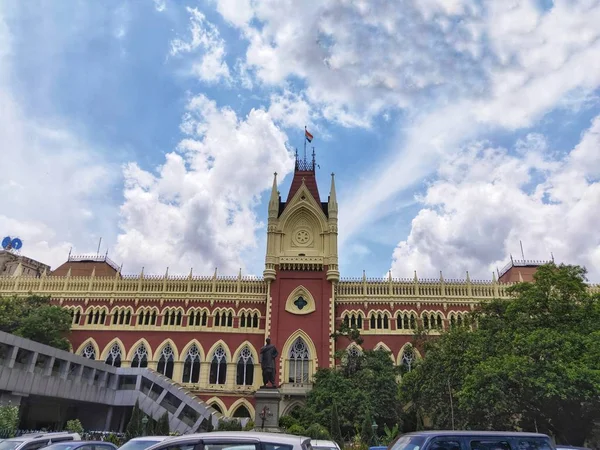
x: 205, y: 332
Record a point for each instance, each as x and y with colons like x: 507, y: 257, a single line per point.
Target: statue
x: 267, y: 362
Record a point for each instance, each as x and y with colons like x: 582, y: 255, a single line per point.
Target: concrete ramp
x: 28, y: 368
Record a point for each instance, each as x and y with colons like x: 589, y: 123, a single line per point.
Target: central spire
x: 304, y: 172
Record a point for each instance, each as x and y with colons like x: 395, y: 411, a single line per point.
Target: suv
x: 473, y: 440
x: 235, y: 440
x: 35, y: 441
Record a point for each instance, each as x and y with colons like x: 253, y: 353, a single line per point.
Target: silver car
x: 235, y: 440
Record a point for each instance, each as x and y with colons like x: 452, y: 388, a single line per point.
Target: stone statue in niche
x: 267, y: 356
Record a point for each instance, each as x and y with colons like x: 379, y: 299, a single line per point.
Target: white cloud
x: 53, y: 193
x: 197, y: 209
x: 206, y: 40
x: 291, y: 110
x: 486, y: 200
x: 358, y: 59
x: 160, y: 5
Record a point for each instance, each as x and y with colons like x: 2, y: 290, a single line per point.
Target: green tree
x: 334, y: 429
x: 74, y: 426
x: 230, y: 425
x: 162, y: 426
x: 366, y: 431
x: 361, y: 383
x: 35, y: 318
x: 135, y: 427
x: 9, y: 420
x: 530, y: 363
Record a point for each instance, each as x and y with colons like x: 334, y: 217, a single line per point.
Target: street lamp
x: 144, y: 423
x: 374, y: 426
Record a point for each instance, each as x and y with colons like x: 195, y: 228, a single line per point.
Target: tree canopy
x: 35, y: 318
x: 363, y: 388
x: 531, y: 362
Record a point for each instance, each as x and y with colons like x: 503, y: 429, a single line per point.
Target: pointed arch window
x: 166, y: 361
x: 245, y: 368
x: 353, y: 352
x: 114, y: 356
x: 218, y: 367
x: 191, y: 366
x: 75, y: 316
x: 140, y: 357
x: 241, y: 412
x: 298, y: 362
x: 89, y: 352
x: 408, y: 358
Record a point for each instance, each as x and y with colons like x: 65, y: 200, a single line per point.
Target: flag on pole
x: 309, y: 137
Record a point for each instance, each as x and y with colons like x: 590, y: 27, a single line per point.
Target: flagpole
x: 305, y: 143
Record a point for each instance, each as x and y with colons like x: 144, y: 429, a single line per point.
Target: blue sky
x: 456, y: 129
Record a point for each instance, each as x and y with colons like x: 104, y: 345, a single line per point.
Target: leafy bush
x: 296, y: 429
x: 74, y: 426
x: 9, y: 419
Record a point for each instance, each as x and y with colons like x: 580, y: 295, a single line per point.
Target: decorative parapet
x: 354, y: 289
x: 136, y: 286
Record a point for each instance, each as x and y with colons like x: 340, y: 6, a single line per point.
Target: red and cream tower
x: 301, y: 270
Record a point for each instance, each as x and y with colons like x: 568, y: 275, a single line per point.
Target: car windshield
x: 409, y: 443
x: 138, y: 445
x: 10, y: 444
x: 64, y: 446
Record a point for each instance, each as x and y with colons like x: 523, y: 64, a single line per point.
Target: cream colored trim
x: 162, y: 345
x: 240, y: 402
x: 134, y: 347
x: 285, y: 352
x: 236, y: 355
x: 84, y: 345
x: 305, y: 293
x: 188, y: 346
x: 106, y: 350
x: 211, y: 351
x: 216, y: 400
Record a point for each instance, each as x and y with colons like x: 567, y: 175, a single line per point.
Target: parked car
x: 473, y: 440
x: 319, y: 444
x: 35, y: 441
x: 82, y: 445
x: 236, y: 440
x: 142, y: 443
x: 568, y: 447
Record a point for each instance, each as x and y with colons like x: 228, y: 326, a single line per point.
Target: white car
x: 35, y: 441
x: 235, y: 440
x: 318, y: 444
x: 142, y: 443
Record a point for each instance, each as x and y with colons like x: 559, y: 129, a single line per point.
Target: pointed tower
x: 301, y: 267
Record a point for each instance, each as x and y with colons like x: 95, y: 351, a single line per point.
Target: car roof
x: 74, y: 443
x: 243, y: 435
x: 151, y: 438
x: 475, y: 433
x: 322, y: 442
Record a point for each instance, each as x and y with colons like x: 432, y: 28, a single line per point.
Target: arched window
x: 353, y: 352
x: 114, y: 356
x: 439, y: 323
x: 191, y: 366
x: 218, y: 367
x: 255, y: 320
x: 89, y: 352
x: 299, y: 359
x: 242, y: 412
x: 165, y: 363
x: 216, y: 407
x: 426, y: 321
x: 245, y: 368
x: 408, y: 358
x: 140, y: 357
